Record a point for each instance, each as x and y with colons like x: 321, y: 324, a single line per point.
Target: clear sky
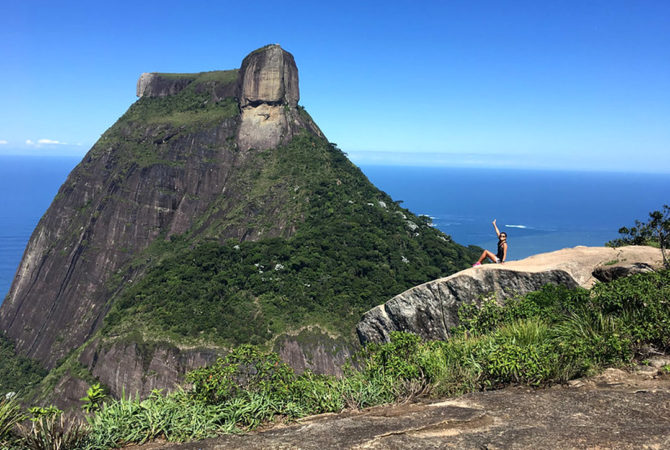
x: 531, y: 84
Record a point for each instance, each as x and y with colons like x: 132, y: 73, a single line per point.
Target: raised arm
x: 496, y: 227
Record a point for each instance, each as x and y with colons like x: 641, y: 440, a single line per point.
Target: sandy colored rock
x: 431, y: 309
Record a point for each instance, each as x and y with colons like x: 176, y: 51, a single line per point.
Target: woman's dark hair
x: 503, y: 233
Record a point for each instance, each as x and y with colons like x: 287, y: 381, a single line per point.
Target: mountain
x: 213, y: 213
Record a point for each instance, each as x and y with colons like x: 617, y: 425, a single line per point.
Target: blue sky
x: 525, y: 84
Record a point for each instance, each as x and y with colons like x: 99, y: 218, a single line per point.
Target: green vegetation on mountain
x: 544, y: 337
x: 352, y: 248
x: 192, y: 106
x: 17, y: 372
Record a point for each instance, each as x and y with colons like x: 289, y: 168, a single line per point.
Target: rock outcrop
x: 314, y: 349
x: 268, y: 96
x: 138, y: 368
x: 431, y: 309
x: 155, y: 85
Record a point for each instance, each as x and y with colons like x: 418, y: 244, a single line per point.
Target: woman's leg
x: 486, y: 254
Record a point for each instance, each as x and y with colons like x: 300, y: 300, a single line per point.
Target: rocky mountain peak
x: 269, y: 75
x: 268, y: 97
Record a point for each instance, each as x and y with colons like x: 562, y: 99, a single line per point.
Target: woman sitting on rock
x: 499, y: 257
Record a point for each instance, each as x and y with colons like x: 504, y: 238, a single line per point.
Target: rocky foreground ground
x: 617, y: 409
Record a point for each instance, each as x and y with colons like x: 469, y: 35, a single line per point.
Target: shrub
x: 246, y: 368
x: 589, y: 340
x: 94, y: 398
x: 642, y: 302
x: 550, y: 303
x: 10, y: 416
x: 54, y: 432
x: 521, y: 352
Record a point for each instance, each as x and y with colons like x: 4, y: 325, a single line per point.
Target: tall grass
x: 10, y: 416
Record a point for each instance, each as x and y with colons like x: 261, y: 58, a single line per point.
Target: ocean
x: 541, y: 211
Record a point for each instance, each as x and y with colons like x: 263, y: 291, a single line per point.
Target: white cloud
x: 41, y: 142
x: 3, y: 142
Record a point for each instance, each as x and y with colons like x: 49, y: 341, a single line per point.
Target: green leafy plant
x: 40, y: 412
x: 95, y: 395
x: 246, y: 368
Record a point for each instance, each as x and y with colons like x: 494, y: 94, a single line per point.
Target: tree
x: 656, y: 231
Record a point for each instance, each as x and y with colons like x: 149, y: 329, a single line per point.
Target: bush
x: 656, y: 232
x: 10, y: 416
x: 590, y: 340
x: 642, y: 302
x: 245, y: 369
x: 54, y: 432
x: 521, y: 352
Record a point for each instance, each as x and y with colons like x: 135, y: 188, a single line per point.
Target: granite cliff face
x: 431, y: 309
x: 213, y: 161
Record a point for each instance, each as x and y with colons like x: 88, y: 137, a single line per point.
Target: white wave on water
x: 519, y: 226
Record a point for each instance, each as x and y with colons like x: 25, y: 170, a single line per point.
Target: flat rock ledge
x: 617, y: 409
x: 431, y: 309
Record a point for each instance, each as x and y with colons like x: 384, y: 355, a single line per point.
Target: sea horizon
x: 541, y: 210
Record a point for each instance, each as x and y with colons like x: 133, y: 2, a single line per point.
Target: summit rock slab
x: 430, y: 310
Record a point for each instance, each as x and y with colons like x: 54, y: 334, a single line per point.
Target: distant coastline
x: 541, y: 210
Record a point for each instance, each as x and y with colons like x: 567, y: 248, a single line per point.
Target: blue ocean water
x: 540, y: 211
x: 28, y: 184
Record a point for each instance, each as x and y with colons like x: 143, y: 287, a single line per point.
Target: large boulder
x: 431, y: 309
x: 268, y: 98
x: 269, y: 75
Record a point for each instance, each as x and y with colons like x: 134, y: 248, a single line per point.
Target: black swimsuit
x: 501, y: 250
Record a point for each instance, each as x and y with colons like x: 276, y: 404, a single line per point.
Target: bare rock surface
x: 431, y: 309
x: 268, y: 99
x: 155, y: 85
x: 269, y: 75
x: 616, y: 409
x: 140, y: 368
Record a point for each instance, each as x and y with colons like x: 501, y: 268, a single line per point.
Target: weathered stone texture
x: 138, y: 370
x: 103, y: 215
x: 153, y: 85
x: 269, y: 75
x: 431, y: 309
x: 314, y: 349
x: 268, y: 96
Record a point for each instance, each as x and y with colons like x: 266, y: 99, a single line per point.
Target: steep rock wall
x: 268, y: 93
x: 139, y: 368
